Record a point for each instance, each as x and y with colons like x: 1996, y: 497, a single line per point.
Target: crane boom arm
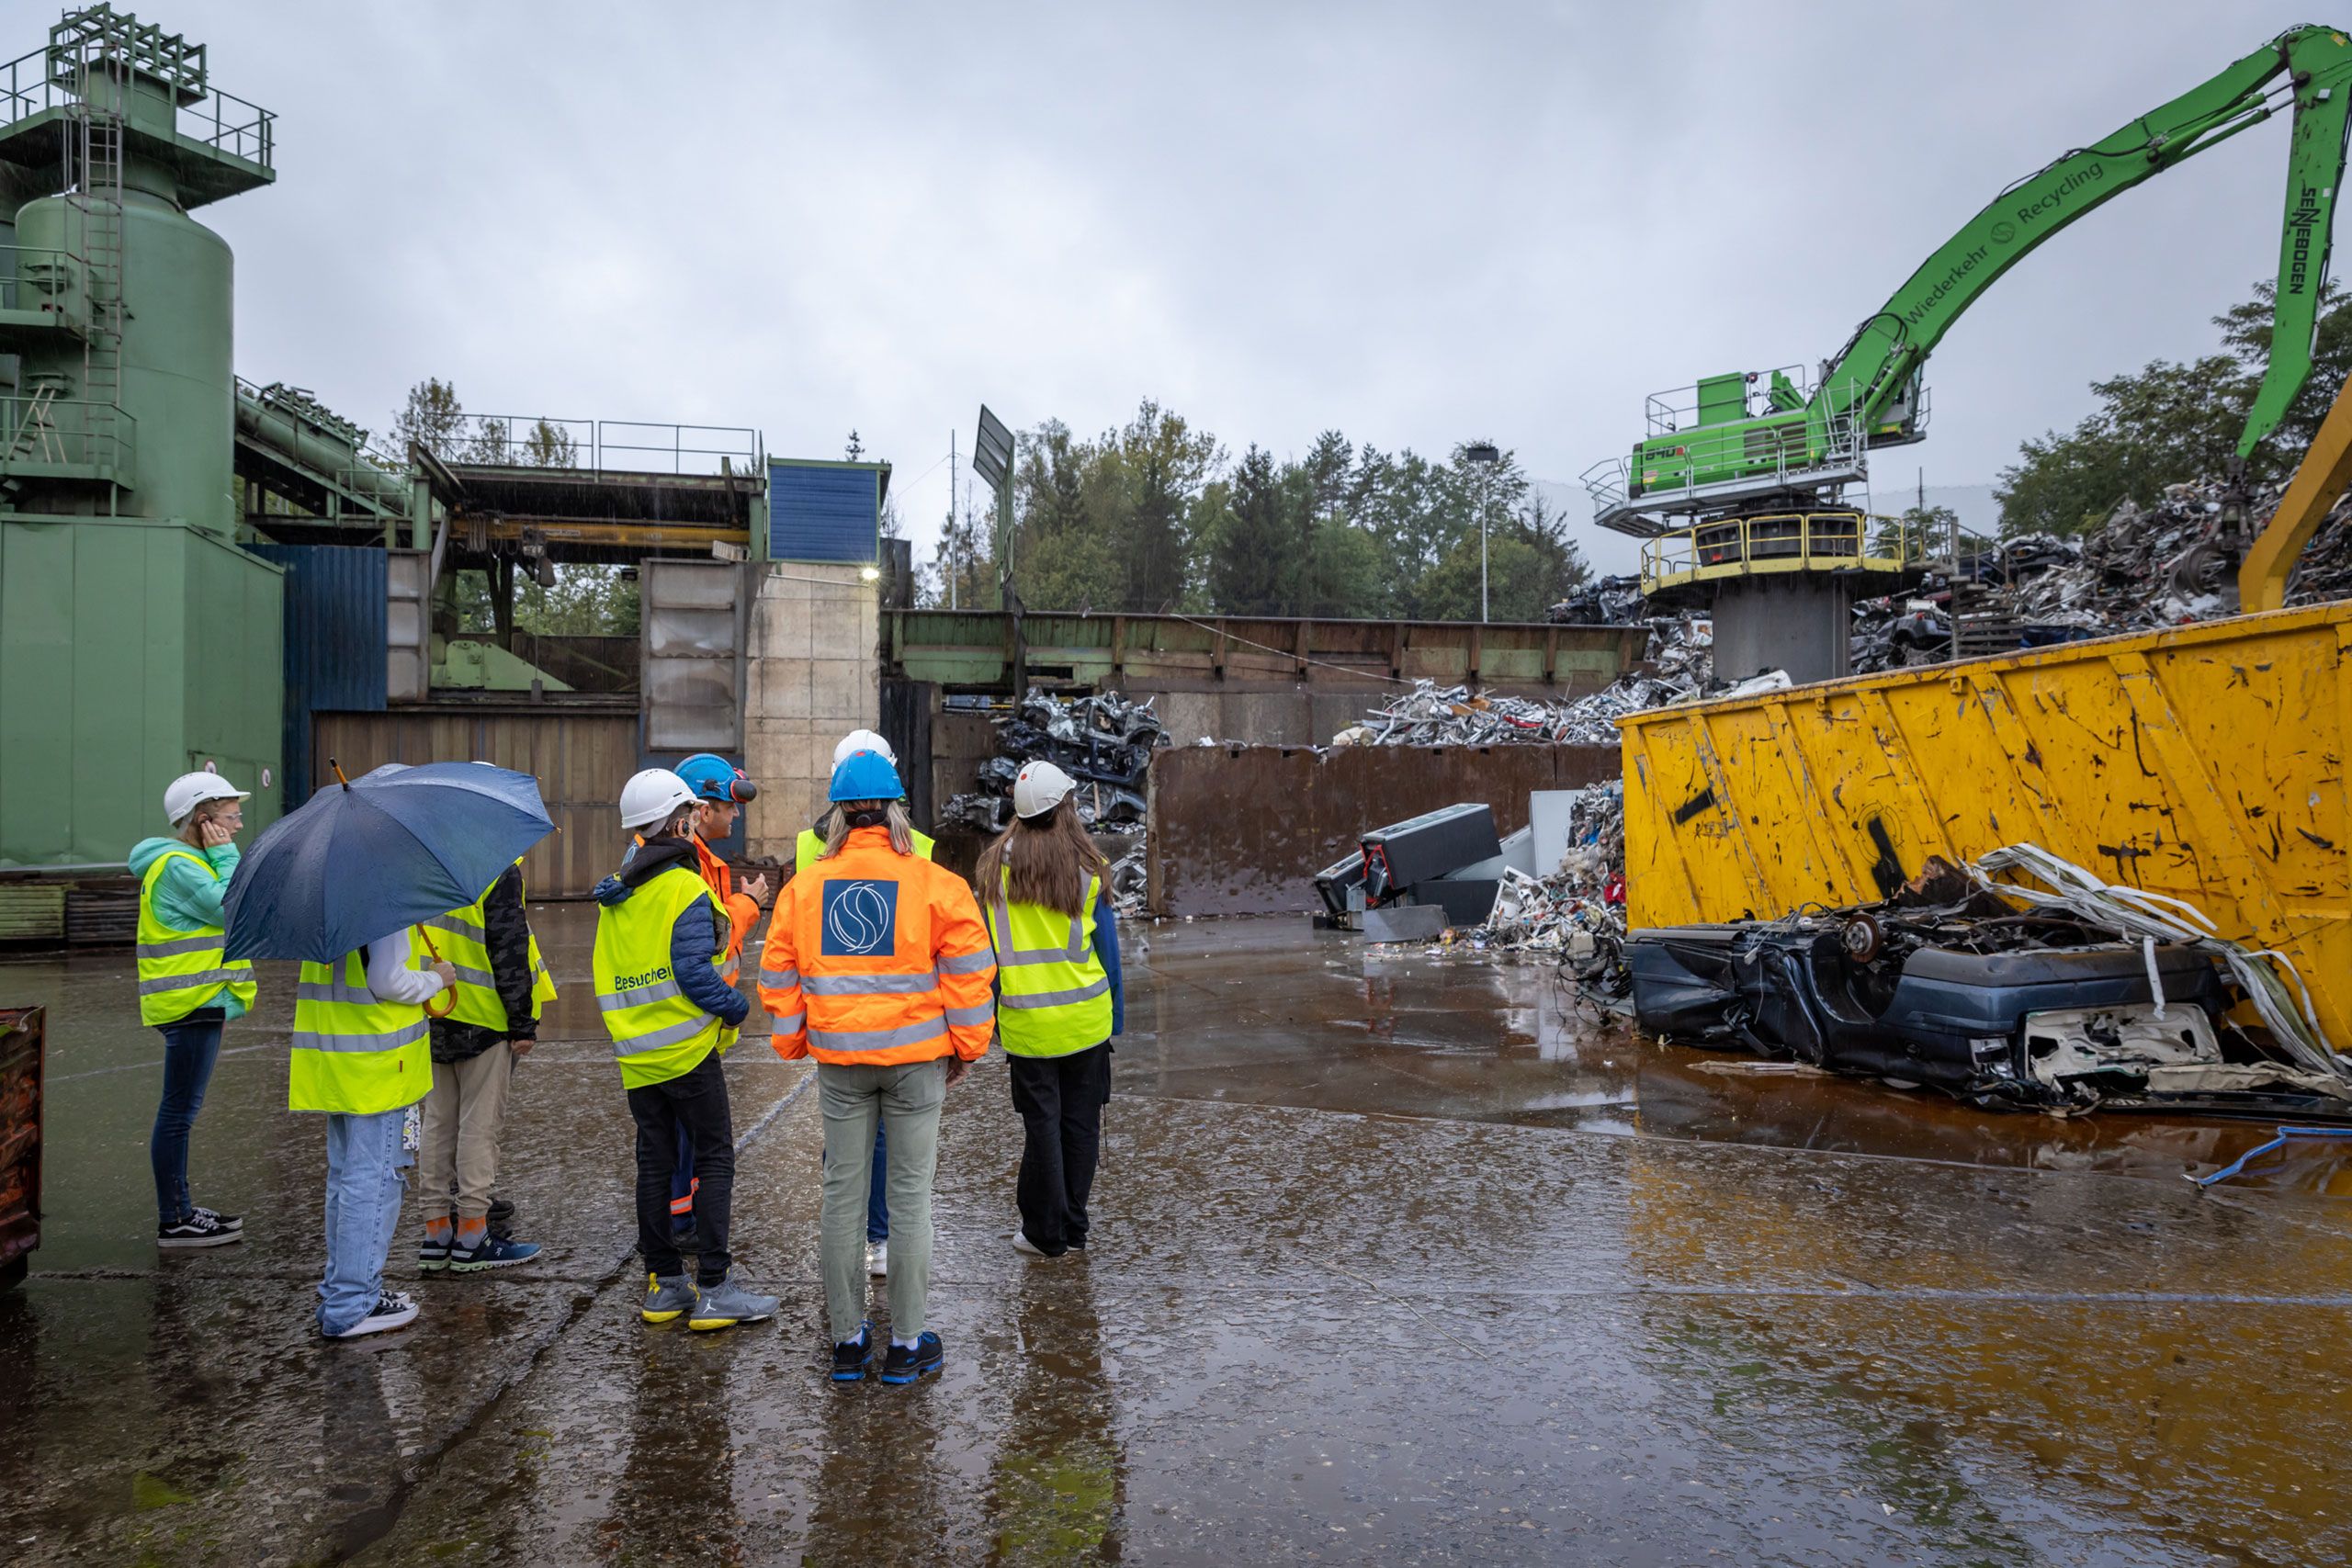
x: 1880, y: 362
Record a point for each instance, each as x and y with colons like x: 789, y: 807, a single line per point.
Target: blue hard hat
x: 715, y: 778
x: 865, y: 775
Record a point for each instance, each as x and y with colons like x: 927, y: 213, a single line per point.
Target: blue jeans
x: 189, y: 1051
x: 363, y: 1187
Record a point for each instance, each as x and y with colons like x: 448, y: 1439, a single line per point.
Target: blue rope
x: 2237, y: 1165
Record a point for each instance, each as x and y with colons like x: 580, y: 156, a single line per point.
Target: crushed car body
x: 2049, y: 1008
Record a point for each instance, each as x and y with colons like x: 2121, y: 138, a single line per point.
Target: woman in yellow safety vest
x: 360, y: 1057
x: 661, y: 987
x: 187, y: 988
x: 1043, y: 887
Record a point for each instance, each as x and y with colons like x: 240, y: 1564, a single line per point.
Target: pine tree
x: 1251, y: 572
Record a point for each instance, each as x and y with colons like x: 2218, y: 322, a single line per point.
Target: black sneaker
x: 853, y: 1356
x: 905, y: 1363
x: 199, y: 1229
x: 226, y: 1221
x: 393, y: 1310
x: 501, y: 1219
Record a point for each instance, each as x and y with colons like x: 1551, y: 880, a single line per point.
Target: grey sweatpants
x: 905, y: 1099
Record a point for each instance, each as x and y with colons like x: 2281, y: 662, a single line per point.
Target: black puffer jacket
x: 506, y: 932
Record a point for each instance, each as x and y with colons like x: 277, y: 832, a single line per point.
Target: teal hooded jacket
x: 185, y: 899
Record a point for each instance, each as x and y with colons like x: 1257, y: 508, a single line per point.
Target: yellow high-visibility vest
x: 181, y: 971
x: 463, y: 941
x: 809, y: 846
x: 659, y: 1033
x: 1053, y: 994
x: 353, y: 1052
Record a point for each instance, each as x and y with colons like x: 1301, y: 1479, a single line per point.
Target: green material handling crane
x: 1740, y: 443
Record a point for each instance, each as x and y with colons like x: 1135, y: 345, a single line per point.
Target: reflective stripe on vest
x: 462, y: 937
x: 1052, y: 1000
x: 658, y: 1032
x: 181, y: 971
x: 353, y: 1052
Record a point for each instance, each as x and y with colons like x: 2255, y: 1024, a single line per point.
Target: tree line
x: 1155, y: 517
x: 2169, y: 424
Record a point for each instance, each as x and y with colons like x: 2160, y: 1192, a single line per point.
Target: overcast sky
x: 1420, y: 224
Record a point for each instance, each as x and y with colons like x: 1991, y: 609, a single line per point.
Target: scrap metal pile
x: 2050, y: 991
x: 2140, y: 570
x: 1578, y: 909
x: 1681, y: 667
x: 1104, y: 742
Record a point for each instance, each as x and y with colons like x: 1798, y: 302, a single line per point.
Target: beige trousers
x: 461, y: 1118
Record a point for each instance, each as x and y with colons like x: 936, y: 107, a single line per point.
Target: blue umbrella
x: 363, y: 858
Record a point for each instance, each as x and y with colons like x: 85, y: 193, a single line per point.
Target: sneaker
x: 199, y: 1229
x: 877, y: 1258
x: 666, y: 1296
x: 226, y: 1221
x: 393, y: 1310
x: 726, y: 1304
x: 1021, y: 1243
x: 852, y: 1358
x: 432, y: 1254
x: 905, y: 1363
x: 491, y: 1252
x: 686, y: 1240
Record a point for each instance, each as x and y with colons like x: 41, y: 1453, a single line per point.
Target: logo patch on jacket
x: 861, y: 919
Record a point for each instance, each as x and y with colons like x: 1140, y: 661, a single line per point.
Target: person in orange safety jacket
x: 877, y: 963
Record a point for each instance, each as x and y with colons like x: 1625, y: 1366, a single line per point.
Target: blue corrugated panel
x: 336, y: 599
x: 823, y: 512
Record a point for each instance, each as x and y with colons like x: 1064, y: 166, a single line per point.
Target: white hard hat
x: 1038, y: 788
x: 858, y: 740
x: 188, y: 791
x: 652, y: 796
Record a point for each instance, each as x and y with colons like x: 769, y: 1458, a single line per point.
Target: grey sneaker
x: 726, y: 1304
x: 666, y: 1296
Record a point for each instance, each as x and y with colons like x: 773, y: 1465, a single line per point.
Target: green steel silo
x: 136, y: 641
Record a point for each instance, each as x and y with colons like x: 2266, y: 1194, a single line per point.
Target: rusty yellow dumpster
x: 2204, y: 762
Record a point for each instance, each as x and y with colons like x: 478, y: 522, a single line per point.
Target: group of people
x: 887, y: 970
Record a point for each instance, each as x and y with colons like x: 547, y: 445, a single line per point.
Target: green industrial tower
x: 137, y: 641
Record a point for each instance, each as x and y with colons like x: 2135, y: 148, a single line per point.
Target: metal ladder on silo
x: 93, y: 147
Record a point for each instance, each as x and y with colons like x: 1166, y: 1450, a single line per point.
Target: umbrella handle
x: 447, y: 995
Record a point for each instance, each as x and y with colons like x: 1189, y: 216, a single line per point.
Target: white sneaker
x: 393, y: 1310
x: 877, y: 1258
x: 1021, y: 1243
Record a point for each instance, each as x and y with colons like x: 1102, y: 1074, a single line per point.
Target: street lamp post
x: 1485, y: 453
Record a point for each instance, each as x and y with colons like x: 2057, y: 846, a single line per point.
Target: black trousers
x: 695, y: 1105
x: 1060, y: 1101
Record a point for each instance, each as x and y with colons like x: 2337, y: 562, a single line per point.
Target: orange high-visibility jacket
x: 742, y: 911
x: 878, y: 958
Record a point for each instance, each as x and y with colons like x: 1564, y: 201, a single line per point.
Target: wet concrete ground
x: 1396, y: 1259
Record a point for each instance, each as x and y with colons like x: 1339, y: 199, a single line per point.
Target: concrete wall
x: 814, y: 676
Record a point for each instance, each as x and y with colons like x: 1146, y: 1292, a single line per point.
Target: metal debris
x: 1681, y: 668
x: 1130, y: 882
x: 1104, y: 742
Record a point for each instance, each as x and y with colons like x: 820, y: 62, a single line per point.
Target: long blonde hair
x: 837, y: 828
x: 1047, y: 863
